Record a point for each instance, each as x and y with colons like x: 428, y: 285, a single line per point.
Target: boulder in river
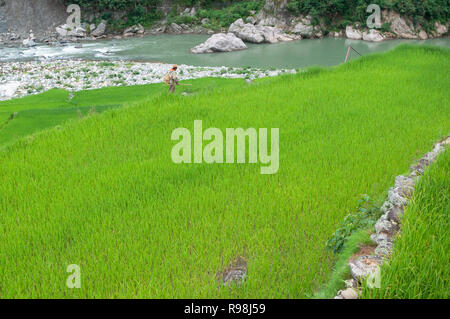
x: 220, y: 42
x: 29, y: 43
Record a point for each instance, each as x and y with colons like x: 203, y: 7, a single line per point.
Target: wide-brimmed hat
x: 174, y: 66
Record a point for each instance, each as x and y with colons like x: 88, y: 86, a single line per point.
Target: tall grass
x: 46, y: 110
x: 103, y: 193
x: 419, y: 267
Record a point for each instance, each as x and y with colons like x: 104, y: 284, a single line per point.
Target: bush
x: 366, y: 216
x: 422, y: 12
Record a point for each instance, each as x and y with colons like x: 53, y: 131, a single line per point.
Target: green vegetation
x: 365, y: 217
x: 343, y: 12
x: 103, y: 193
x: 37, y: 112
x: 219, y: 18
x: 145, y: 12
x: 135, y: 11
x: 418, y: 267
x: 336, y: 14
x: 341, y: 270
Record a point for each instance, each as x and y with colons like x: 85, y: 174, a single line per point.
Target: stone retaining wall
x: 388, y: 225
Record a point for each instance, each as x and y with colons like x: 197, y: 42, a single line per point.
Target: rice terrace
x: 226, y: 181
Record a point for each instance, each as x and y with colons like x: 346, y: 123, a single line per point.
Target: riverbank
x: 253, y: 22
x: 18, y: 79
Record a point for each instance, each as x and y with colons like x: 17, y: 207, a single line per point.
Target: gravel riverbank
x: 18, y: 79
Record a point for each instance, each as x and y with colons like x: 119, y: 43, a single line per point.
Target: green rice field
x: 100, y: 189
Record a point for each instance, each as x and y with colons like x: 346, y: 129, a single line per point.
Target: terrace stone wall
x: 388, y: 225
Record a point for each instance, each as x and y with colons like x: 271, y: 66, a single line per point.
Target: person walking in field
x: 171, y: 78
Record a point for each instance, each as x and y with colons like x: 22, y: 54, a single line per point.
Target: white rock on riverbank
x: 7, y: 90
x: 373, y: 36
x: 259, y: 33
x: 18, y: 79
x: 352, y: 33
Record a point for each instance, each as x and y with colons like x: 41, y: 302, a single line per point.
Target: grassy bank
x: 34, y: 113
x: 103, y: 193
x: 418, y: 268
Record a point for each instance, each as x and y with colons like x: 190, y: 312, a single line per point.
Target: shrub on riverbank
x: 103, y: 193
x: 145, y: 12
x: 342, y: 12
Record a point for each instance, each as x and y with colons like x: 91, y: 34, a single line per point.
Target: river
x: 175, y: 49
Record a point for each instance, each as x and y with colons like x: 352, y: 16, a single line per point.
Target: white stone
x: 220, y: 42
x: 7, y: 90
x: 349, y: 293
x: 100, y: 30
x: 402, y: 27
x: 440, y: 28
x: 363, y: 266
x: 423, y: 35
x: 303, y: 29
x: 259, y: 33
x: 373, y: 36
x: 353, y: 34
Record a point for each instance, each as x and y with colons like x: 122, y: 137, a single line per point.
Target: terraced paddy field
x: 101, y: 190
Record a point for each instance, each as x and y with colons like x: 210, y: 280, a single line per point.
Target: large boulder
x: 220, y: 42
x: 63, y: 30
x: 440, y: 28
x: 402, y: 27
x: 259, y: 33
x: 373, y: 36
x: 99, y: 30
x: 352, y: 33
x: 247, y: 32
x: 423, y: 35
x: 135, y: 29
x: 305, y: 30
x: 78, y: 32
x: 174, y: 28
x: 251, y: 20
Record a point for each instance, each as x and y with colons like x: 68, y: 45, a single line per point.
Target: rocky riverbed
x: 19, y: 79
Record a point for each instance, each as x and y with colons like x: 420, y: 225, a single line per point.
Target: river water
x: 175, y: 49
